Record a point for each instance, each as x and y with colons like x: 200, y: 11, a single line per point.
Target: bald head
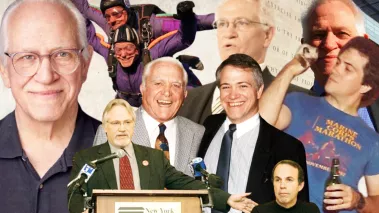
x: 19, y: 15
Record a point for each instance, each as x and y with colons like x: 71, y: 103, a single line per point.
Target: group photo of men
x: 267, y: 94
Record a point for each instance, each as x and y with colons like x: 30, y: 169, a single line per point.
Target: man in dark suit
x: 141, y: 168
x: 257, y: 146
x: 246, y: 36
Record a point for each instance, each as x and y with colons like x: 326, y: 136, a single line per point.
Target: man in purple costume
x: 130, y: 66
x: 115, y: 13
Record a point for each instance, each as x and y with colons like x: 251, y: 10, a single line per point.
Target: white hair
x: 67, y: 4
x: 359, y: 19
x: 150, y: 65
x: 265, y: 15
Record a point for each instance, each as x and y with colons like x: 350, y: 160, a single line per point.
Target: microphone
x: 199, y: 170
x: 198, y: 165
x: 88, y: 169
x: 118, y: 154
x: 84, y: 175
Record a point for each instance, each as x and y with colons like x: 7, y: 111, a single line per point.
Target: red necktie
x: 126, y: 175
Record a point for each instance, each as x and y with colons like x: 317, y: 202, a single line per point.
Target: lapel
x: 212, y: 124
x: 262, y: 156
x: 208, y: 103
x: 373, y: 110
x: 184, y: 140
x: 107, y: 168
x: 144, y: 171
x: 140, y: 135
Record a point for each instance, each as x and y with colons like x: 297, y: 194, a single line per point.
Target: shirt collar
x: 11, y: 145
x: 263, y: 66
x: 128, y: 149
x: 9, y: 138
x: 244, y: 127
x: 151, y: 123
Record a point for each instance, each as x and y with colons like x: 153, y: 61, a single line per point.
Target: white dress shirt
x: 243, y: 145
x: 153, y: 130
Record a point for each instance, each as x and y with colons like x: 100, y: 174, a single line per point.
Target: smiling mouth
x: 47, y: 93
x: 164, y: 103
x: 236, y: 104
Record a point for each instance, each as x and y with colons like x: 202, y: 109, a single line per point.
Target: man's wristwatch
x: 361, y: 202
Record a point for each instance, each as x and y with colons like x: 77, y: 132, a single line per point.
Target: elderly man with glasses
x: 44, y: 63
x: 243, y: 26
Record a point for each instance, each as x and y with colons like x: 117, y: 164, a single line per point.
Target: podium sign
x: 148, y: 207
x: 148, y: 201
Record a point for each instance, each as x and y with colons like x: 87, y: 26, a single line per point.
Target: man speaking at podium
x: 141, y: 167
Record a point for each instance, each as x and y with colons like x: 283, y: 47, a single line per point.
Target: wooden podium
x: 152, y: 201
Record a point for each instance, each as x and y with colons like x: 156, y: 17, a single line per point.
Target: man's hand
x: 184, y: 10
x: 240, y: 202
x: 340, y: 196
x: 305, y: 56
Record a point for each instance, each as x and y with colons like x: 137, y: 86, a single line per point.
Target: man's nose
x: 45, y: 73
x: 234, y: 93
x: 330, y: 42
x: 112, y: 20
x: 167, y: 90
x: 230, y: 31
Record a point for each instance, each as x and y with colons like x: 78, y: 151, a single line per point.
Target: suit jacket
x: 271, y: 147
x: 373, y: 111
x: 198, y: 104
x: 158, y: 174
x: 188, y: 139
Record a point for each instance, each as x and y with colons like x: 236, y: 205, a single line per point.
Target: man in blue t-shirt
x: 329, y: 126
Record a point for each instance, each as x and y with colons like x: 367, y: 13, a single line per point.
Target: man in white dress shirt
x: 240, y: 146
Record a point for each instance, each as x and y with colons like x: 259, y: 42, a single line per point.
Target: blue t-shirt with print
x: 326, y: 133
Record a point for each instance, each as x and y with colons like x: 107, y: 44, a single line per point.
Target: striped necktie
x: 217, y: 107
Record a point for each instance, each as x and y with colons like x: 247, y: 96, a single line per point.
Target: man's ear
x: 142, y: 88
x: 365, y: 89
x: 87, y: 62
x: 301, y: 186
x: 269, y: 34
x: 5, y: 76
x: 260, y: 92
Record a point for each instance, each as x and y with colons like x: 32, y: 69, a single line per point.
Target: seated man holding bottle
x: 288, y: 181
x: 330, y: 127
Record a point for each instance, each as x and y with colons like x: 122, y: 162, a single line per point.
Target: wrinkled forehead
x: 232, y: 9
x: 34, y: 24
x: 166, y: 71
x: 333, y: 12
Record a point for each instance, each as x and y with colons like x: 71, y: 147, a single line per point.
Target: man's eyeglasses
x: 115, y: 13
x: 240, y: 24
x: 63, y: 61
x: 117, y: 124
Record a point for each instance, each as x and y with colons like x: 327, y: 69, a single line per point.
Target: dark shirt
x: 299, y: 207
x: 21, y: 188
